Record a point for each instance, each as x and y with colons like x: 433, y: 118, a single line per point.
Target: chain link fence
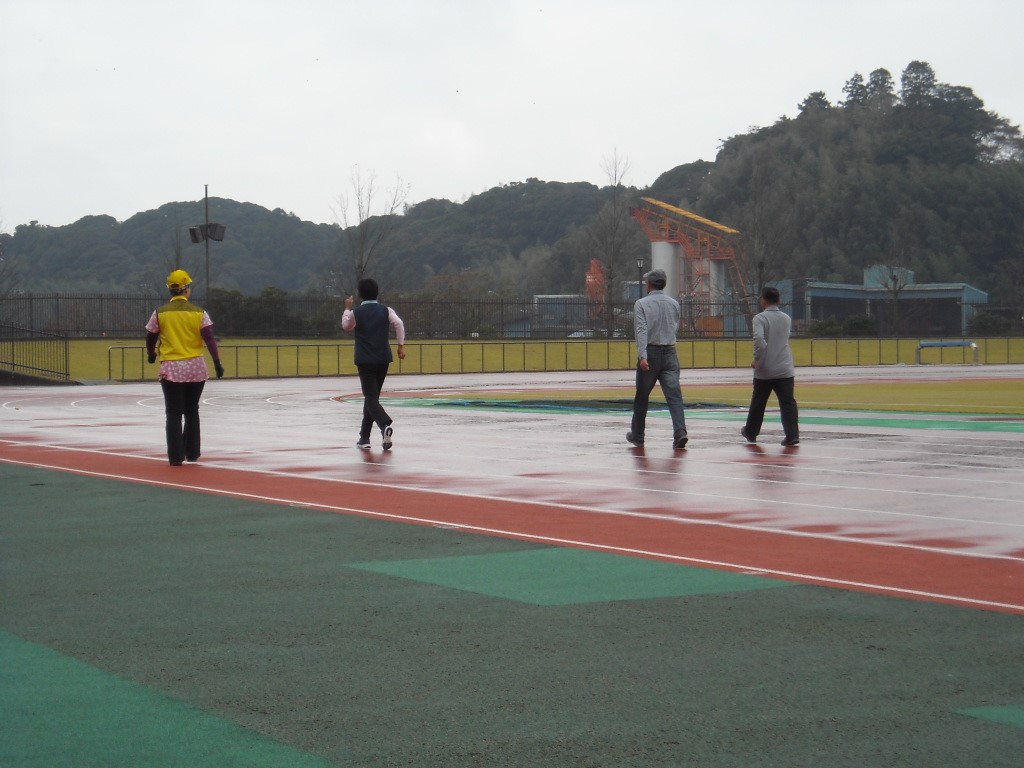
x: 542, y: 317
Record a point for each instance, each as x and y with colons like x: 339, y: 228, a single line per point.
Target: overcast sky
x: 116, y: 107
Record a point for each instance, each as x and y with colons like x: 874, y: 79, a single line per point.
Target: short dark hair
x: 368, y: 289
x: 770, y: 294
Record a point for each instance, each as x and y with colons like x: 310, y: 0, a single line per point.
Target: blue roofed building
x: 889, y: 299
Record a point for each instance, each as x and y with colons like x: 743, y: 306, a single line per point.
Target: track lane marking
x: 554, y: 540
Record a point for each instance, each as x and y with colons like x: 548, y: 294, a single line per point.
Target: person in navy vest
x: 370, y: 322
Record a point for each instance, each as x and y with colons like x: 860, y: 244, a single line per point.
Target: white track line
x: 528, y: 502
x: 884, y: 588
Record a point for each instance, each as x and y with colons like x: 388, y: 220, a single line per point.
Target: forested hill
x: 272, y: 248
x: 919, y: 176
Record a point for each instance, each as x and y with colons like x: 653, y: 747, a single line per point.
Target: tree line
x: 918, y: 176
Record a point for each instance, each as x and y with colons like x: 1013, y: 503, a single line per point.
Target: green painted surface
x: 569, y: 576
x: 248, y: 612
x: 971, y: 422
x: 968, y: 423
x: 56, y: 711
x: 1012, y: 715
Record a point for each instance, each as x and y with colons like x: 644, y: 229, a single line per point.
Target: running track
x: 905, y: 506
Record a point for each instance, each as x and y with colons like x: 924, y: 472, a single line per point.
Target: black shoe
x: 386, y: 433
x: 747, y: 436
x: 363, y: 443
x: 791, y: 441
x: 679, y: 443
x: 176, y: 463
x: 634, y: 439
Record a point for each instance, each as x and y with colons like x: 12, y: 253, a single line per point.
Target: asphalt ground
x: 508, y: 586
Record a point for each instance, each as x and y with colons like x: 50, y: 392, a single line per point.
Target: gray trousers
x: 664, y: 370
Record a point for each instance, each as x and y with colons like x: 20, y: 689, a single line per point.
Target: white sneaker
x: 387, y: 432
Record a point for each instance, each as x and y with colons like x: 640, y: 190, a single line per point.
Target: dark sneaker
x: 679, y: 443
x: 634, y: 439
x: 747, y: 436
x: 791, y: 441
x: 387, y: 432
x: 364, y: 443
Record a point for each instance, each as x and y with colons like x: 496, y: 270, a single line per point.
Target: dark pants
x: 663, y: 363
x: 783, y: 389
x: 181, y: 404
x: 371, y: 380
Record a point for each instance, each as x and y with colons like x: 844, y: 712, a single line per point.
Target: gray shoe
x: 387, y: 432
x: 679, y: 443
x: 634, y: 439
x: 790, y: 441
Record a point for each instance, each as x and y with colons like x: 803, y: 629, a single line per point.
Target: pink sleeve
x: 398, y: 325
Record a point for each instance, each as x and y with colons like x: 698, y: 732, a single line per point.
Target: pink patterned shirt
x: 182, y: 371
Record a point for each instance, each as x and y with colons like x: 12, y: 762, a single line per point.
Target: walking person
x: 370, y: 322
x: 773, y: 370
x: 178, y: 331
x: 656, y: 319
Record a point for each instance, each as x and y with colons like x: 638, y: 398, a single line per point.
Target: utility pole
x: 206, y: 229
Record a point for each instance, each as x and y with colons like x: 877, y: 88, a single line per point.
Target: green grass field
x: 981, y: 397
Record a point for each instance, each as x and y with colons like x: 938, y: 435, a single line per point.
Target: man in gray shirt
x: 773, y: 370
x: 656, y: 318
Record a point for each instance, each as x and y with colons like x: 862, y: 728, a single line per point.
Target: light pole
x: 206, y: 240
x: 205, y: 233
x: 640, y: 278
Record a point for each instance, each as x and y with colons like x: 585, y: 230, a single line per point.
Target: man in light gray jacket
x: 773, y: 370
x: 656, y: 320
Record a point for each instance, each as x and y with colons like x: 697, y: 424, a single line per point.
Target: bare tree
x: 895, y: 280
x: 765, y: 223
x: 612, y: 237
x: 175, y: 259
x: 897, y: 273
x: 366, y: 225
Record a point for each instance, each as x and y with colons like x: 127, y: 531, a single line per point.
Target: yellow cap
x: 178, y: 279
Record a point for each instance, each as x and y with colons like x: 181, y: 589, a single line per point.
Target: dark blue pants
x: 181, y: 404
x: 783, y: 389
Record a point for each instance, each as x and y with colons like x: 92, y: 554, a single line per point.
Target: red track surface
x: 886, y: 514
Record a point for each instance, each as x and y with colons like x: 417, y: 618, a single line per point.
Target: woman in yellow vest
x: 179, y: 329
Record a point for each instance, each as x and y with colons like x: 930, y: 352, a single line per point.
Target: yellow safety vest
x: 180, y: 329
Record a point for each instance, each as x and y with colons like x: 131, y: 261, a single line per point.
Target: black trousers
x: 181, y: 404
x: 783, y: 389
x: 371, y: 380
